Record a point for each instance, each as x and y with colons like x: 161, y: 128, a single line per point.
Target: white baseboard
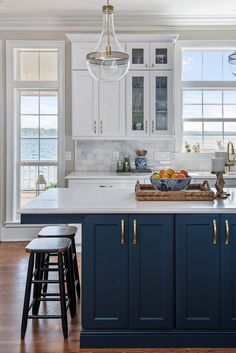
x: 19, y: 232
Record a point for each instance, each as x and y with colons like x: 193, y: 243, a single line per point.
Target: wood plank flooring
x: 44, y: 336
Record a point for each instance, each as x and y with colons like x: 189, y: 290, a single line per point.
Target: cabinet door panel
x: 139, y: 55
x: 197, y: 272
x: 151, y: 272
x: 228, y: 271
x: 78, y: 54
x: 137, y: 103
x: 160, y: 102
x: 84, y: 104
x: 112, y: 108
x: 105, y: 267
x: 161, y: 56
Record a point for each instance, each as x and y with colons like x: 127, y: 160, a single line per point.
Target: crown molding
x: 91, y: 22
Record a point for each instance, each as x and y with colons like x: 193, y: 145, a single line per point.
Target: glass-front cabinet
x: 161, y: 56
x: 150, y: 56
x: 148, y: 103
x: 139, y: 55
x: 160, y: 102
x: 137, y: 88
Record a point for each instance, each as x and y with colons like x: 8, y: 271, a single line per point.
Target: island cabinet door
x: 105, y: 272
x: 151, y: 271
x: 197, y: 271
x: 228, y: 271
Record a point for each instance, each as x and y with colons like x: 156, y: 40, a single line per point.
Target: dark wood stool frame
x: 37, y: 278
x: 73, y: 248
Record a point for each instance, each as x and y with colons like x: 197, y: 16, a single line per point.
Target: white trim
x: 126, y: 38
x: 125, y: 21
x: 2, y: 141
x: 11, y: 133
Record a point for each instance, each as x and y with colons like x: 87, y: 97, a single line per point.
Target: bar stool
x: 65, y: 232
x: 38, y: 250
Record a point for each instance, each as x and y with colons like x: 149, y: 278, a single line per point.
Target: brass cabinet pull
x: 135, y: 232
x: 101, y: 127
x: 214, y: 232
x: 152, y: 65
x: 146, y: 126
x: 152, y: 126
x: 226, y: 232
x: 95, y: 127
x: 146, y: 65
x: 122, y: 231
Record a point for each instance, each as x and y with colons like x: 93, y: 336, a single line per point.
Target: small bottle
x: 126, y: 164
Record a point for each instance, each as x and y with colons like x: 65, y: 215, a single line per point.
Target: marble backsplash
x: 103, y: 155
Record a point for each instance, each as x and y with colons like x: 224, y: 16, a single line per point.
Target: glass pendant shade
x: 232, y: 62
x: 108, y: 62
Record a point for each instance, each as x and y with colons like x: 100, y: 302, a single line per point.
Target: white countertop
x: 93, y: 175
x: 117, y: 200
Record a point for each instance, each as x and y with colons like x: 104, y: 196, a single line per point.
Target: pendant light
x: 232, y: 62
x: 108, y: 62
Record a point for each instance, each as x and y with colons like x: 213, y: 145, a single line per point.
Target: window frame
x: 12, y: 124
x: 195, y: 45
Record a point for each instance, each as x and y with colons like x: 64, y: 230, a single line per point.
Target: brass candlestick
x: 219, y: 185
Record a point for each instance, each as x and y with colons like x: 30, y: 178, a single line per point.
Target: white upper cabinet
x: 137, y: 103
x: 138, y: 106
x: 112, y: 108
x: 84, y: 105
x: 98, y: 108
x: 150, y: 56
x: 139, y: 55
x: 161, y: 56
x: 161, y: 121
x: 79, y: 52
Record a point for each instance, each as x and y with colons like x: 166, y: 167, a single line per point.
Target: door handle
x: 122, y: 231
x: 226, y: 232
x: 146, y: 126
x: 214, y: 232
x: 135, y: 232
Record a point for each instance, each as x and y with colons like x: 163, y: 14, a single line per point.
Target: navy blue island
x: 154, y: 274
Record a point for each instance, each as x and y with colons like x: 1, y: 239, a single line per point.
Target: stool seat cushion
x: 59, y: 231
x: 48, y: 245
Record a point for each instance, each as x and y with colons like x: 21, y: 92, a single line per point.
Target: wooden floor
x: 44, y: 336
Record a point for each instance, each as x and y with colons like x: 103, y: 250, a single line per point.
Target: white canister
x: 222, y: 154
x: 217, y: 164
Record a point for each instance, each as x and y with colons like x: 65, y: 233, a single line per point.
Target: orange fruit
x: 181, y: 176
x: 162, y: 171
x: 183, y: 171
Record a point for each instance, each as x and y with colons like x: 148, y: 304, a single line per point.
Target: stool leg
x: 36, y: 292
x: 62, y: 296
x: 45, y: 276
x: 76, y: 271
x: 70, y: 282
x: 27, y: 295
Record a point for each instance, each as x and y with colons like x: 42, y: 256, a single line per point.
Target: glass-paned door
x: 160, y: 103
x: 161, y: 56
x: 139, y: 55
x: 137, y: 103
x: 38, y: 139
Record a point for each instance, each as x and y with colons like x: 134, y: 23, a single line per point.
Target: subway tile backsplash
x: 99, y: 155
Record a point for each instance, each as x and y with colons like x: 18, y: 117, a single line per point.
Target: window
x: 208, y: 96
x: 35, y: 83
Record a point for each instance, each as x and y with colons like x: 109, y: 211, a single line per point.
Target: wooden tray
x: 194, y: 192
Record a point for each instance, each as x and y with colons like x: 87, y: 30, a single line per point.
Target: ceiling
x: 154, y: 7
x: 129, y: 14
